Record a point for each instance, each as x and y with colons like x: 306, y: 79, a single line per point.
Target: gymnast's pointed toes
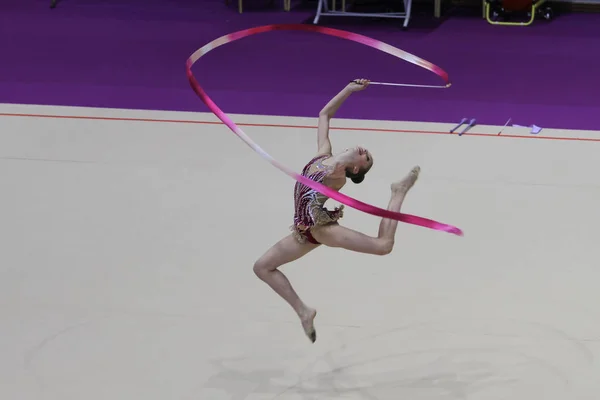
x: 308, y: 325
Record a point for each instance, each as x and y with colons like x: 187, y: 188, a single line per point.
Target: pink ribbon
x: 334, y: 194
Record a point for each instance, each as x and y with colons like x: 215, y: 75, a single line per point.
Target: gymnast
x: 314, y: 224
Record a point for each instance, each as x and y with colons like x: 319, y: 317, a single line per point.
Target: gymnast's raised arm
x: 323, y: 142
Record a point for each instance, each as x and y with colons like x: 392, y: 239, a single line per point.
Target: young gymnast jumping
x: 315, y: 225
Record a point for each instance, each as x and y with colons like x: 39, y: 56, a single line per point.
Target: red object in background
x: 517, y: 5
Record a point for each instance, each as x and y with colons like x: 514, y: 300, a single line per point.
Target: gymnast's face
x: 360, y: 159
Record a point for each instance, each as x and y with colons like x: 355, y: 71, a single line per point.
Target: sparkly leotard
x: 309, y: 205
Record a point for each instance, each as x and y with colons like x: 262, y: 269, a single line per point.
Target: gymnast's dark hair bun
x: 358, y: 178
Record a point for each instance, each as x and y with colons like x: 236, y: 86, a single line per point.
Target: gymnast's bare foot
x: 403, y: 186
x: 307, y: 317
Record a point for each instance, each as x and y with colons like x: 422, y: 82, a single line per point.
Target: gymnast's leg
x: 335, y: 235
x: 285, y: 251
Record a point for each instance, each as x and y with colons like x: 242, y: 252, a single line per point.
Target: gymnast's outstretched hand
x: 358, y: 85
